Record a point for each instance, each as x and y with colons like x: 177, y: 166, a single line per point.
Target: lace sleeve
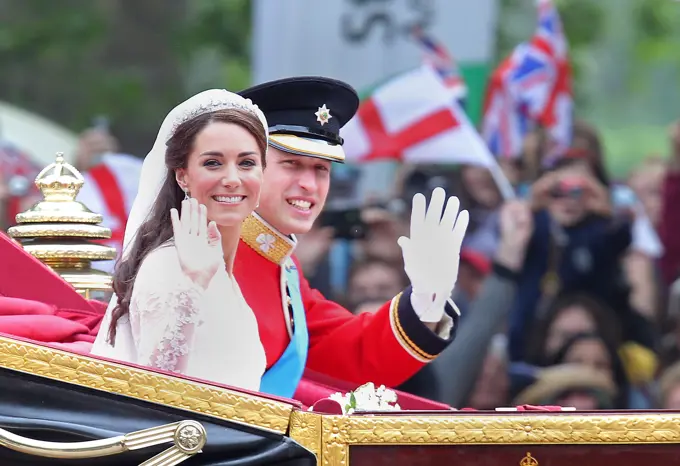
x: 164, y: 312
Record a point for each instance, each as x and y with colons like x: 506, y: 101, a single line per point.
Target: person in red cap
x: 299, y: 328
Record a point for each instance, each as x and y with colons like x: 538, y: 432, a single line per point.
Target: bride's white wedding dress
x: 174, y: 325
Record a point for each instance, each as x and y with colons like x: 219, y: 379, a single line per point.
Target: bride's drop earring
x: 186, y: 195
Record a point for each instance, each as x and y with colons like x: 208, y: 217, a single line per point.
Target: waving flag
x: 436, y: 55
x: 532, y: 85
x: 503, y: 125
x: 413, y: 118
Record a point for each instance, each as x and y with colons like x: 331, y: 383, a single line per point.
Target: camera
x: 572, y: 188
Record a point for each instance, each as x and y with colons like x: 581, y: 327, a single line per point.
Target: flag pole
x: 502, y: 182
x: 504, y: 185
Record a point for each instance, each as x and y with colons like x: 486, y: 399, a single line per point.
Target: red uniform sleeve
x: 385, y: 348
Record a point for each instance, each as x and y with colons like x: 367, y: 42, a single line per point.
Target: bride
x: 177, y: 305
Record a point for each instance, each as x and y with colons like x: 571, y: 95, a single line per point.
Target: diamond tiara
x: 222, y: 104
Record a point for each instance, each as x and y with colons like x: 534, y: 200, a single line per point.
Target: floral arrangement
x: 367, y: 398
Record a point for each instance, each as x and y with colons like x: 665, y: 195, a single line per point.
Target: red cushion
x: 42, y: 328
x: 18, y: 307
x: 43, y: 322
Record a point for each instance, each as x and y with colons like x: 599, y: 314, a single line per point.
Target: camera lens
x: 357, y: 231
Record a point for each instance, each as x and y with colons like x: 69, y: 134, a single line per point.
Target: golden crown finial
x: 528, y: 460
x: 59, y: 181
x: 63, y: 233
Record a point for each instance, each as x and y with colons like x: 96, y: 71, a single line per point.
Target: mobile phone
x: 346, y: 222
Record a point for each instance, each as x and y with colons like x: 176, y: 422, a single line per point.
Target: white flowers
x: 266, y: 241
x: 367, y: 398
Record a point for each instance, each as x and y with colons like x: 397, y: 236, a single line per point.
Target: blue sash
x: 284, y: 376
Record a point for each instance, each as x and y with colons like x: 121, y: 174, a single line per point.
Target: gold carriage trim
x: 305, y: 429
x: 266, y: 240
x: 338, y: 433
x: 145, y: 385
x: 401, y: 335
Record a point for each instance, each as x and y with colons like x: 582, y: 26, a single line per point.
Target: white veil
x: 151, y: 180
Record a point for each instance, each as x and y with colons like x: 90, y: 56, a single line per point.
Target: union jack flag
x: 532, y: 85
x: 436, y: 56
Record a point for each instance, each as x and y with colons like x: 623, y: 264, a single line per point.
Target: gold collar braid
x: 267, y: 240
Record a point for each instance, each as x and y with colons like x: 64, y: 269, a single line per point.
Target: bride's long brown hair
x: 157, y: 228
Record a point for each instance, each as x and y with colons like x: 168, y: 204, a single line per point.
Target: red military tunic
x: 387, y: 347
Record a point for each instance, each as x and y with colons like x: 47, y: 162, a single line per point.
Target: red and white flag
x: 414, y: 118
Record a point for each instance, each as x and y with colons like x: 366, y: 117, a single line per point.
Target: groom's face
x: 294, y: 191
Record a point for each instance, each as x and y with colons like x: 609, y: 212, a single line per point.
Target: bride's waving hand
x: 198, y: 243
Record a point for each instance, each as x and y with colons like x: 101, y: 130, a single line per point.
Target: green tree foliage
x: 72, y: 60
x: 656, y: 36
x: 219, y: 31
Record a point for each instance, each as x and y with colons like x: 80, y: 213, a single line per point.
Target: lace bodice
x: 176, y: 326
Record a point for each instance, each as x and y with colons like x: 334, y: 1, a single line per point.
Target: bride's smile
x: 224, y: 172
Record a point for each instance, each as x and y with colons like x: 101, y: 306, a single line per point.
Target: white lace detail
x: 174, y: 344
x: 164, y: 316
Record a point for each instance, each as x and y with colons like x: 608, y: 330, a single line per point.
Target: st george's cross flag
x: 413, y: 118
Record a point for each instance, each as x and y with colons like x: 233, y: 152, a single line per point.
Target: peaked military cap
x: 305, y: 114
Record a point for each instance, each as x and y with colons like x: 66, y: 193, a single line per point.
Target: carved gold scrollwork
x: 145, y: 385
x: 305, y: 429
x: 188, y: 438
x: 339, y: 433
x: 335, y: 436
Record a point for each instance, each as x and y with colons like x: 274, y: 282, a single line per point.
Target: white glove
x: 432, y: 253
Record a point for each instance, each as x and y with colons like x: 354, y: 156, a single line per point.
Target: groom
x: 299, y: 328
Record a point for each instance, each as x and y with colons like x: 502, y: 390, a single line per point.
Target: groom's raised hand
x: 432, y: 252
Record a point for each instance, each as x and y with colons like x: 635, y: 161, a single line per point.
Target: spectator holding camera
x: 577, y: 245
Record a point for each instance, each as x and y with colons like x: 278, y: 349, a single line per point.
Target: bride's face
x: 224, y: 172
